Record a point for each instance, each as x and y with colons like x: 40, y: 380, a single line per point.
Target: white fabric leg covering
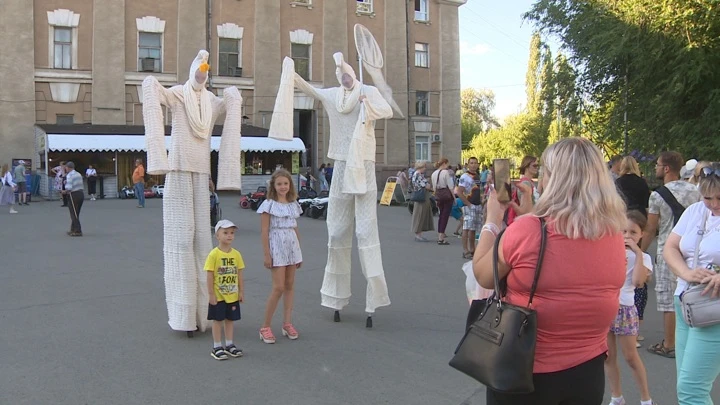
x: 186, y: 244
x: 203, y: 244
x: 342, y: 210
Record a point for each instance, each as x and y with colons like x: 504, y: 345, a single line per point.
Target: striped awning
x: 136, y: 143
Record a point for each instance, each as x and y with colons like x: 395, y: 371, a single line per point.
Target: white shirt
x: 8, y: 179
x: 90, y: 172
x: 688, y: 228
x: 627, y: 292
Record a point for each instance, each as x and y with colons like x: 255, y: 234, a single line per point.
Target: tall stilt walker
x: 186, y: 202
x: 352, y: 109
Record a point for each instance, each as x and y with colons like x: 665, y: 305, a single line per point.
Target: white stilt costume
x: 353, y: 192
x: 186, y: 200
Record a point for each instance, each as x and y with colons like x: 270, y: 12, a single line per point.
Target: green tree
x: 662, y: 56
x: 477, y: 113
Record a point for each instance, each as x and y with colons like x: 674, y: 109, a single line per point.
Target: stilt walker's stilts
x: 368, y: 322
x: 337, y: 316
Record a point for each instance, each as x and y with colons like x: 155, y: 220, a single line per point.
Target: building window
x: 149, y: 52
x: 365, y: 6
x: 63, y: 48
x: 229, y: 62
x: 422, y: 55
x: 300, y: 53
x: 422, y: 148
x: 421, y: 10
x: 64, y: 119
x: 421, y: 103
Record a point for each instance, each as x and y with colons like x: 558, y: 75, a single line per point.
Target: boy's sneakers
x: 267, y: 336
x: 290, y: 331
x: 218, y: 353
x: 233, y: 351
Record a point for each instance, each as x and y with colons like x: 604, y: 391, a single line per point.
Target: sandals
x: 468, y: 255
x: 443, y: 242
x: 661, y: 350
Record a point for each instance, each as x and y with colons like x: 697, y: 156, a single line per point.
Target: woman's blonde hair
x: 580, y: 198
x: 5, y: 169
x: 526, y: 163
x: 441, y: 162
x: 272, y: 193
x: 420, y: 164
x: 629, y: 166
x: 709, y: 185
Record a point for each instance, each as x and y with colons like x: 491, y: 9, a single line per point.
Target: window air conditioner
x: 236, y: 72
x: 436, y: 138
x: 147, y: 64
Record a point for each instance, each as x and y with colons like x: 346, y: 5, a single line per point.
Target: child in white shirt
x: 626, y: 325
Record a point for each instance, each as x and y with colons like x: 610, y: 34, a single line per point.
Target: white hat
x: 22, y: 162
x: 689, y: 169
x: 224, y: 224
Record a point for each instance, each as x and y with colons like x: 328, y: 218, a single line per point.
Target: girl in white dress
x: 281, y: 243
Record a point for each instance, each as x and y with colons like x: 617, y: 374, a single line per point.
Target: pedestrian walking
x: 138, y: 178
x: 76, y: 196
x: 21, y: 183
x: 7, y: 191
x: 91, y: 175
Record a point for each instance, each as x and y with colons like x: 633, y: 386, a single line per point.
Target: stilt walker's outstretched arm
x: 229, y: 156
x: 154, y: 97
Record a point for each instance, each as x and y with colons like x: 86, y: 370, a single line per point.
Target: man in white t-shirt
x: 660, y: 213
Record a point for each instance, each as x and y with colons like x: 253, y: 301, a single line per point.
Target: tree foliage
x: 662, y: 55
x: 477, y: 112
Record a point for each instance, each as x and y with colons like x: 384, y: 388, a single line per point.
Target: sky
x: 494, y: 45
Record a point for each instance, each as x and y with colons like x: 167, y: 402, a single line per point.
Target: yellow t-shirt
x: 227, y: 268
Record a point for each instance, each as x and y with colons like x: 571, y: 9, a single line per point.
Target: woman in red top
x: 582, y: 273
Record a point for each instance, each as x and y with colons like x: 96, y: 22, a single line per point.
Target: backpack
x: 675, y: 206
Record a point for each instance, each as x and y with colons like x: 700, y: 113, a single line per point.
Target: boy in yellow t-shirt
x: 224, y: 267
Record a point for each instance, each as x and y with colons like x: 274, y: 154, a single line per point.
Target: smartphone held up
x: 502, y: 179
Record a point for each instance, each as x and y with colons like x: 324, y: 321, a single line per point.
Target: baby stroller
x: 215, y: 211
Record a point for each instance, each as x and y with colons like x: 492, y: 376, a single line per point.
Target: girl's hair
x: 272, y: 193
x: 5, y: 169
x: 637, y: 218
x: 581, y: 200
x: 441, y: 162
x: 322, y: 166
x: 526, y: 162
x: 709, y: 185
x: 629, y: 165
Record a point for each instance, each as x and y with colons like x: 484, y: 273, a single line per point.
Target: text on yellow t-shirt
x: 227, y: 268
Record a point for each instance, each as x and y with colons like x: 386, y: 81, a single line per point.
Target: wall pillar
x: 108, y: 63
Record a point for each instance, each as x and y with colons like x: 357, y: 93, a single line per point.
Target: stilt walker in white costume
x: 186, y: 202
x: 352, y: 110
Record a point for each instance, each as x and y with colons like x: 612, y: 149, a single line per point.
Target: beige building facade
x: 83, y: 62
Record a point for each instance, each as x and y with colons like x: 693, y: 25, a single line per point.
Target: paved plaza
x: 84, y: 320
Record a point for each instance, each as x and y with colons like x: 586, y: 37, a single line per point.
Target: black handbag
x: 498, y: 348
x: 419, y: 195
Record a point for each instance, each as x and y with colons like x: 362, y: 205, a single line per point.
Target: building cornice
x: 457, y: 3
x: 136, y: 78
x: 63, y: 76
x: 243, y: 83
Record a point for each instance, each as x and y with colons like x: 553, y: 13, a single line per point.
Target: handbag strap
x: 538, y: 266
x: 701, y: 233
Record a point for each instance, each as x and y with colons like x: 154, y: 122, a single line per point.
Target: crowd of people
x: 602, y: 221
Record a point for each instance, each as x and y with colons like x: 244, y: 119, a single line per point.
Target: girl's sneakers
x: 290, y: 331
x: 267, y: 336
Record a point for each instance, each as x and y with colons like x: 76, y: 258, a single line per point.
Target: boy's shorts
x: 473, y: 219
x: 224, y: 311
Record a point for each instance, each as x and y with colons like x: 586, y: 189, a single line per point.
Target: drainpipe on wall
x: 411, y: 138
x: 209, y: 41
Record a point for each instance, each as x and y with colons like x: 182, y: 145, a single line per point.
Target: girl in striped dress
x: 281, y: 244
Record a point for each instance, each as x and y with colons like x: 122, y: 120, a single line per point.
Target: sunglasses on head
x: 710, y: 170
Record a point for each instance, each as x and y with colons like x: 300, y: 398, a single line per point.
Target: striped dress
x: 284, y: 244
